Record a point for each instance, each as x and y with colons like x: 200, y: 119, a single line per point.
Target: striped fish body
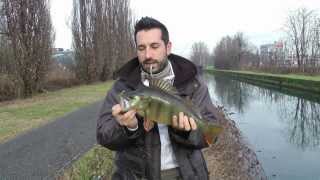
x: 161, y: 106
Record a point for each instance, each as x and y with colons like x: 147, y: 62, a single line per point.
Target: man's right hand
x: 127, y: 119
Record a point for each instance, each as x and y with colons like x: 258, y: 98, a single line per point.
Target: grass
x: 98, y: 162
x: 19, y: 116
x: 296, y: 81
x: 293, y: 76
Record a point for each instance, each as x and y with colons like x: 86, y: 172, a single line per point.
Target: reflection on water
x: 303, y: 121
x: 276, y: 123
x: 233, y: 93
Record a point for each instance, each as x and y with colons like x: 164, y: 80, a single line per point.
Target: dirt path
x: 40, y: 153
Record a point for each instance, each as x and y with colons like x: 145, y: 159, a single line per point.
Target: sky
x: 190, y: 21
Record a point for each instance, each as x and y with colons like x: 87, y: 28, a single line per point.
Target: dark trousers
x: 170, y: 174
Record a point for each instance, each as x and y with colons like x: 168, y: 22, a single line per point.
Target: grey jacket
x: 138, y: 152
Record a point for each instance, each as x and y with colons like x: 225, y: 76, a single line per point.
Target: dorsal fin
x: 162, y: 85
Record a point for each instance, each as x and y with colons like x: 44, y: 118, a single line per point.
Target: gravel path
x: 42, y: 152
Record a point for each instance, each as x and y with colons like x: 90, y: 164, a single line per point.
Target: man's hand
x: 127, y: 119
x: 183, y: 123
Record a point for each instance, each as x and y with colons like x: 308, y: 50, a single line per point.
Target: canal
x: 283, y: 129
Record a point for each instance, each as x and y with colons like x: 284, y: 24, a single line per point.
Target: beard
x: 157, y: 66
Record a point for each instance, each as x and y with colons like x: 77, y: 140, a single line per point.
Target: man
x: 144, y: 149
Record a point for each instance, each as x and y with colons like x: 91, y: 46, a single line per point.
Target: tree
x: 27, y: 34
x: 234, y: 52
x: 302, y: 29
x: 200, y: 54
x: 240, y: 46
x: 222, y: 54
x: 102, y: 37
x: 315, y: 44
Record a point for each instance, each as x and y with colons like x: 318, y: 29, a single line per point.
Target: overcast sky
x: 189, y: 21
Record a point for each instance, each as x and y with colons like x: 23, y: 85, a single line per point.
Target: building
x: 273, y: 53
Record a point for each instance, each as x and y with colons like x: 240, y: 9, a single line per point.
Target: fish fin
x: 208, y: 140
x: 162, y: 85
x: 211, y: 133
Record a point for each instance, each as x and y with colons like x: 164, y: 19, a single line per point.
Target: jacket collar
x: 184, y: 71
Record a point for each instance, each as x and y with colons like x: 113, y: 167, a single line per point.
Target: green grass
x: 19, y: 116
x: 292, y: 76
x: 296, y: 81
x: 97, y: 162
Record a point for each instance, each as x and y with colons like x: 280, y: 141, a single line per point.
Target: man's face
x: 151, y: 50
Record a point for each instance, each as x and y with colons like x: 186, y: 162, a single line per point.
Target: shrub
x: 8, y: 88
x: 59, y: 77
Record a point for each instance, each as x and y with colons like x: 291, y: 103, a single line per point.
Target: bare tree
x: 102, y: 37
x: 315, y: 44
x: 27, y: 32
x: 81, y: 41
x: 222, y: 56
x: 119, y: 43
x: 233, y: 52
x: 200, y: 54
x: 302, y: 29
x: 240, y: 46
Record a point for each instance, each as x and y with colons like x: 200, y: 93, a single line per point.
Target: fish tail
x: 211, y: 133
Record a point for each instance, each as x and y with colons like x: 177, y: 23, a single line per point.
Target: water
x: 284, y: 130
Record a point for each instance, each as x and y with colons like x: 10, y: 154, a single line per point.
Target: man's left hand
x: 183, y: 122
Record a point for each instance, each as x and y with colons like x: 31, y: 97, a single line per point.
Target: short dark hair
x: 147, y: 23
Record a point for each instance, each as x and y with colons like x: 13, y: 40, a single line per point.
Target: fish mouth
x: 129, y: 102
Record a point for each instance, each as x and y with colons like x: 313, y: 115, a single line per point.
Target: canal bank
x: 305, y: 83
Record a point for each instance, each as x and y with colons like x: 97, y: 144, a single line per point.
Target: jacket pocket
x: 131, y: 162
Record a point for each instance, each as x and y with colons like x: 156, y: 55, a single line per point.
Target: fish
x: 160, y: 102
